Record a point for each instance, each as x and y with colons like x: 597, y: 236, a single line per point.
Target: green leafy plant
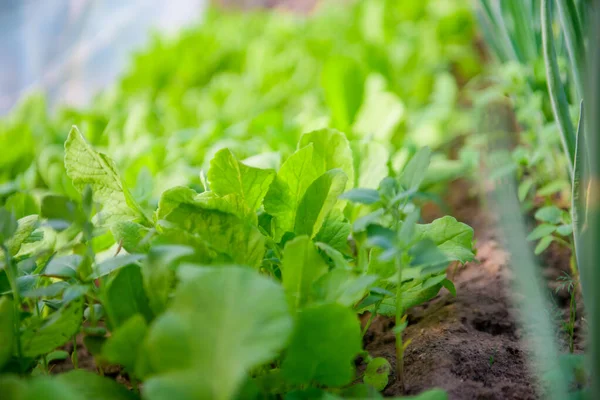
x: 412, y: 258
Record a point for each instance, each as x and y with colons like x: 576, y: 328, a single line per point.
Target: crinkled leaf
x: 87, y: 167
x: 211, y: 230
x: 25, y: 227
x: 331, y: 150
x: 134, y: 237
x: 228, y: 176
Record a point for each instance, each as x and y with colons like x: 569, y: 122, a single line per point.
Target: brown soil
x: 470, y: 344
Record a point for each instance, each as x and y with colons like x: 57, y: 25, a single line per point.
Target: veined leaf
x: 222, y: 322
x: 125, y: 297
x: 211, y: 227
x: 43, y: 336
x: 319, y: 199
x: 453, y: 238
x: 25, y: 228
x: 335, y: 231
x: 88, y: 167
x: 284, y: 195
x: 228, y: 176
x: 331, y: 150
x: 302, y: 266
x: 415, y: 171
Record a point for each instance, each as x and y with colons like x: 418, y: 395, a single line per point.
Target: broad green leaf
x: 158, y: 273
x: 540, y: 231
x: 415, y: 171
x: 550, y: 214
x: 343, y: 287
x: 331, y: 150
x: 38, y: 388
x: 90, y: 386
x: 63, y: 266
x: 302, y: 266
x: 565, y: 230
x: 123, y: 345
x: 325, y: 342
x: 338, y: 259
x: 377, y: 373
x: 124, y: 296
x: 335, y: 232
x: 134, y: 238
x: 212, y: 230
x: 362, y: 196
x: 7, y: 329
x: 87, y: 167
x: 318, y: 200
x: 222, y: 322
x: 553, y: 187
x: 43, y: 336
x: 284, y: 195
x: 115, y: 263
x: 543, y: 244
x: 25, y: 228
x: 228, y: 176
x: 453, y: 238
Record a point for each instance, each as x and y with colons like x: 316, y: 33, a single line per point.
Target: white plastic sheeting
x: 72, y: 48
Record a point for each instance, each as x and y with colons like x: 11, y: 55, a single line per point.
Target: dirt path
x: 470, y: 344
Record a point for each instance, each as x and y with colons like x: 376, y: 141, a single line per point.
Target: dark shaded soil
x: 470, y: 344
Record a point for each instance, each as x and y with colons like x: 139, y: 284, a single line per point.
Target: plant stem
x: 572, y: 316
x: 74, y: 358
x: 371, y: 318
